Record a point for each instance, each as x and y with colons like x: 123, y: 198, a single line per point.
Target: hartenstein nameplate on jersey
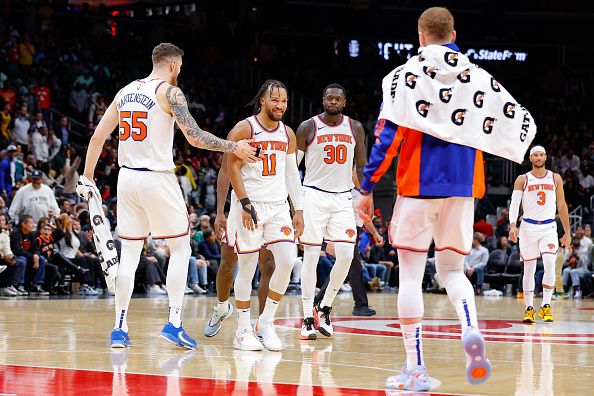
x: 441, y: 93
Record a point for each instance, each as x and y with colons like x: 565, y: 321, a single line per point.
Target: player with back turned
x: 149, y: 197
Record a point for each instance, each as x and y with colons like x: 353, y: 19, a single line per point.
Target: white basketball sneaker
x: 245, y: 340
x: 269, y: 337
x: 308, y: 330
x: 324, y: 325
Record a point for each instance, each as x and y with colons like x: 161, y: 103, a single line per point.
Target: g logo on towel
x: 430, y: 71
x: 509, y: 110
x: 488, y: 124
x: 451, y: 58
x: 97, y: 220
x: 423, y: 108
x: 420, y: 56
x: 445, y: 95
x: 478, y: 99
x: 411, y: 80
x: 464, y: 76
x: 458, y: 116
x: 495, y: 85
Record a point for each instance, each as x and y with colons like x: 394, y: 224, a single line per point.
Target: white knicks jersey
x: 539, y: 199
x: 329, y: 156
x: 145, y: 129
x: 264, y: 181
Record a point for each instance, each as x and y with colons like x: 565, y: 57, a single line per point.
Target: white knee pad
x: 243, y: 281
x: 311, y: 256
x: 284, y: 258
x: 130, y: 256
x: 548, y: 261
x: 410, y: 294
x: 529, y: 271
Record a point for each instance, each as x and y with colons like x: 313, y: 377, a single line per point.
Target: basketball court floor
x: 61, y: 347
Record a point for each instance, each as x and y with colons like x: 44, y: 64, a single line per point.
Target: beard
x: 273, y: 116
x: 539, y: 166
x: 332, y: 111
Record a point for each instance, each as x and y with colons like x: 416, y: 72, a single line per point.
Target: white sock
x: 124, y: 284
x: 269, y: 310
x: 340, y: 270
x: 175, y: 316
x: 311, y: 256
x: 412, y: 335
x: 222, y: 306
x: 547, y: 294
x: 528, y: 282
x: 449, y: 267
x: 243, y: 319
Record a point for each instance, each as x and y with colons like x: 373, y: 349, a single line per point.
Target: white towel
x: 103, y: 240
x: 442, y: 93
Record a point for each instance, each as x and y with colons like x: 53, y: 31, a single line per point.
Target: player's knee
x: 180, y: 245
x: 267, y: 264
x: 344, y: 251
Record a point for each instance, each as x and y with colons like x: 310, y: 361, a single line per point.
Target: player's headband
x: 537, y: 149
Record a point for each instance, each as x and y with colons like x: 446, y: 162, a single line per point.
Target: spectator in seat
x: 20, y: 126
x: 89, y: 252
x: 35, y: 199
x: 13, y: 270
x: 570, y: 161
x: 502, y: 225
x: 149, y: 270
x: 198, y: 271
x: 7, y: 172
x: 24, y: 246
x: 483, y: 227
x: 5, y: 121
x: 64, y: 131
x: 476, y: 262
x: 576, y: 269
x: 503, y: 244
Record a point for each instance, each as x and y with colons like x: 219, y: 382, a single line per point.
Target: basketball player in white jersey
x: 331, y: 142
x: 260, y: 215
x: 149, y: 197
x: 540, y: 192
x: 225, y: 273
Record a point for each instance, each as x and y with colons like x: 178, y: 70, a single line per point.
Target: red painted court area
x: 38, y: 381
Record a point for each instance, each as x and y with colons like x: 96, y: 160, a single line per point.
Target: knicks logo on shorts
x: 551, y: 246
x: 350, y: 232
x: 286, y: 230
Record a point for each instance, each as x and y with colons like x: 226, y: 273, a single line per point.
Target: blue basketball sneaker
x: 119, y: 339
x: 178, y: 336
x: 478, y: 367
x: 416, y: 379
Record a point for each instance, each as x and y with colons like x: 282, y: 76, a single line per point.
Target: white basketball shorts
x: 538, y: 239
x: 274, y: 225
x: 328, y: 217
x: 150, y: 203
x: 447, y: 221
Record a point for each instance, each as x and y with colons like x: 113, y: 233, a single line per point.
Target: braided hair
x: 269, y: 84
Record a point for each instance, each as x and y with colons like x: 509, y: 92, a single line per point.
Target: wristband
x: 364, y: 192
x: 252, y: 212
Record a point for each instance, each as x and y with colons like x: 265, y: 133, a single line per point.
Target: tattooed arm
x: 178, y: 108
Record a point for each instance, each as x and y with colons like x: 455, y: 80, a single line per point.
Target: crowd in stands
x: 46, y: 240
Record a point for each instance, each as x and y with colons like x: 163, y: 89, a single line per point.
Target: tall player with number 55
x: 149, y: 198
x: 332, y: 142
x: 541, y: 193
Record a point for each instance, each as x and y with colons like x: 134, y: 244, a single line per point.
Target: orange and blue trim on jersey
x: 427, y: 166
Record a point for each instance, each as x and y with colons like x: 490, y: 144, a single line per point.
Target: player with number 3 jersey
x: 540, y: 192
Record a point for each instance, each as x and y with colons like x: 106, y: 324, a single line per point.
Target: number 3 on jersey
x: 130, y: 120
x: 542, y: 198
